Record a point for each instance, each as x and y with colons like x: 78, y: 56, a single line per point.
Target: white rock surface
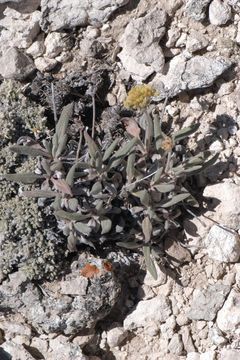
x: 156, y: 309
x: 228, y: 354
x: 196, y: 9
x: 55, y: 43
x: 45, y: 64
x: 37, y: 48
x: 187, y: 73
x: 15, y: 65
x: 67, y: 14
x: 226, y: 198
x: 116, y: 336
x: 196, y: 41
x: 60, y: 348
x: 161, y: 279
x: 141, y: 54
x: 175, y: 345
x: 228, y: 318
x: 19, y: 30
x: 23, y: 6
x: 223, y: 244
x: 219, y: 12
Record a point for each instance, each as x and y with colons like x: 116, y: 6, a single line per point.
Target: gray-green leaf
x: 149, y: 262
x: 175, y: 200
x: 185, y: 132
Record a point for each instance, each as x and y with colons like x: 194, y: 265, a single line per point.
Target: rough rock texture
x: 207, y: 302
x: 225, y: 199
x: 67, y: 14
x: 141, y: 54
x: 228, y: 354
x: 156, y: 310
x: 219, y: 12
x: 223, y: 244
x: 23, y: 6
x: 186, y: 73
x: 228, y: 319
x: 16, y: 65
x: 196, y: 9
x: 68, y: 306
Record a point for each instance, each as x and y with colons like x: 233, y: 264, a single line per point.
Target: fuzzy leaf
x: 175, y: 200
x: 94, y: 150
x: 30, y: 150
x: 109, y: 151
x: 72, y: 171
x: 72, y: 242
x: 130, y: 170
x: 147, y: 228
x: 165, y: 187
x: 149, y: 262
x: 40, y: 194
x: 185, y: 132
x: 96, y: 188
x: 158, y: 175
x: 148, y: 133
x: 27, y: 178
x: 121, y: 153
x: 82, y: 228
x: 131, y: 127
x: 59, y: 137
x: 143, y: 196
x: 158, y: 134
x: 62, y: 186
x: 73, y: 204
x: 71, y: 216
x: 106, y: 225
x: 129, y: 245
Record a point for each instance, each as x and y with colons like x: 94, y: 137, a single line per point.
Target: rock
x: 216, y: 146
x: 16, y: 65
x: 223, y: 244
x: 37, y: 48
x: 196, y: 41
x: 14, y: 352
x: 228, y: 354
x: 91, y: 48
x: 167, y: 329
x: 67, y: 14
x: 216, y: 336
x: 208, y: 355
x: 62, y: 308
x: 116, y: 336
x: 161, y: 279
x: 60, y: 348
x: 45, y: 64
x: 170, y: 6
x: 22, y: 6
x: 141, y: 54
x: 206, y: 302
x: 156, y: 310
x: 55, y: 43
x: 193, y: 356
x: 176, y: 252
x: 187, y: 339
x: 226, y: 199
x: 228, y: 318
x: 19, y: 30
x: 196, y: 230
x: 196, y: 9
x: 219, y: 12
x: 187, y: 74
x: 175, y: 345
x: 234, y: 4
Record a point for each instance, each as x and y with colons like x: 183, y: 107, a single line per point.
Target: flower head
x: 167, y: 144
x: 139, y: 96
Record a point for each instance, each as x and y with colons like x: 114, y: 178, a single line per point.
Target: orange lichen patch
x: 139, y: 96
x: 167, y: 144
x: 107, y: 266
x: 89, y: 271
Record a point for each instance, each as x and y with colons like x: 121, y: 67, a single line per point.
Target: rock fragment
x: 175, y: 345
x: 23, y: 6
x: 228, y: 318
x: 116, y: 336
x: 207, y: 302
x: 45, y: 64
x: 141, y: 54
x: 196, y: 9
x: 229, y: 354
x: 219, y: 12
x: 223, y: 244
x: 16, y: 65
x: 67, y: 14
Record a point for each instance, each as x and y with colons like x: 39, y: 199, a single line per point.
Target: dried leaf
x: 83, y: 228
x: 147, y: 228
x: 175, y: 200
x: 27, y: 178
x: 185, y: 132
x: 39, y: 194
x: 62, y: 186
x: 106, y: 225
x: 30, y: 151
x: 131, y: 127
x: 71, y: 216
x: 149, y: 262
x: 89, y: 271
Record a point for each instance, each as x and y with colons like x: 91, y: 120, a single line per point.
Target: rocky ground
x: 189, y: 51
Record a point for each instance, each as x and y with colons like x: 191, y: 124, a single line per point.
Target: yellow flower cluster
x: 139, y: 96
x: 167, y: 144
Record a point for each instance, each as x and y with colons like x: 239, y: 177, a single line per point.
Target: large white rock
x: 15, y: 65
x: 226, y: 199
x: 219, y: 12
x: 141, y: 54
x: 223, y: 244
x: 67, y: 14
x: 229, y: 354
x: 228, y: 318
x: 55, y: 43
x: 156, y: 310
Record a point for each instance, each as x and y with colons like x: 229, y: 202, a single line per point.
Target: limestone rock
x: 67, y: 14
x: 219, y: 12
x: 23, y: 6
x: 223, y: 244
x: 207, y: 302
x: 228, y: 319
x: 45, y: 64
x: 228, y: 354
x: 156, y: 309
x: 10, y: 350
x: 175, y: 345
x: 116, y: 336
x: 196, y: 41
x: 55, y: 43
x: 196, y: 9
x: 226, y: 200
x: 15, y: 65
x: 60, y: 348
x: 141, y: 54
x: 186, y: 73
x: 37, y: 48
x: 161, y: 279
